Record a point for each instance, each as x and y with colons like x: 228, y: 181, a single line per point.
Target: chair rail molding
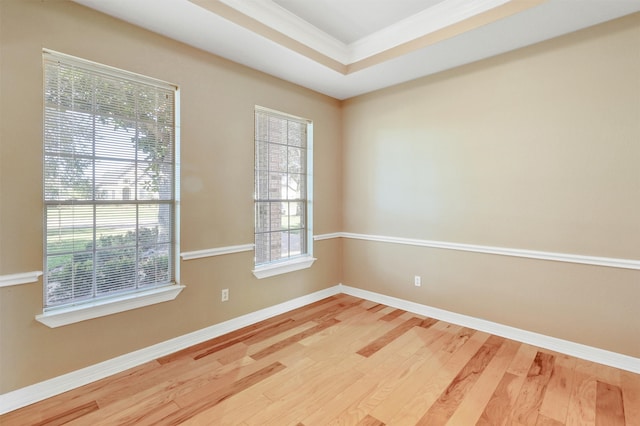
x: 610, y: 262
x: 218, y: 251
x: 20, y: 278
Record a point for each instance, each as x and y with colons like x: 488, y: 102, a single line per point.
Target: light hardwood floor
x: 347, y: 361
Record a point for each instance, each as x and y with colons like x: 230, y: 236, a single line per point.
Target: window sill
x: 283, y: 267
x: 64, y: 316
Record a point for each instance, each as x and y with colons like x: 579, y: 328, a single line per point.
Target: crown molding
x: 432, y: 19
x: 435, y: 18
x: 289, y: 24
x: 219, y: 29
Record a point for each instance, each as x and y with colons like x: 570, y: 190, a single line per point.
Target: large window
x: 110, y: 193
x: 282, y: 192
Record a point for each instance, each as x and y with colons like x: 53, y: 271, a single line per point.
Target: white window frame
x: 76, y: 311
x: 305, y: 260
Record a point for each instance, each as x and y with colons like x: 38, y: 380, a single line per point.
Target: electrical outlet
x: 417, y: 281
x: 225, y: 295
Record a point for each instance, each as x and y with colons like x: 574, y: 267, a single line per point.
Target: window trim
x: 305, y: 260
x: 73, y: 312
x: 57, y: 317
x: 277, y: 268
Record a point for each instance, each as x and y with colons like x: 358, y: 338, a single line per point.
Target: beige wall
x: 537, y: 149
x: 217, y: 101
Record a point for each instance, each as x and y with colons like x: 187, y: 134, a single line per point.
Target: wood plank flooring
x: 347, y: 361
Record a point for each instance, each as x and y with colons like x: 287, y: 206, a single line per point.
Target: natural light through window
x: 282, y: 192
x: 110, y: 193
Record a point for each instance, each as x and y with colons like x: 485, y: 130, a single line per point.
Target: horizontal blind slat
x: 109, y: 181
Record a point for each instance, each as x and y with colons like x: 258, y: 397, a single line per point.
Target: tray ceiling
x: 344, y: 48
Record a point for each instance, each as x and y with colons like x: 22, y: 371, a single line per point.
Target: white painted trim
x: 578, y: 350
x: 21, y: 278
x: 198, y: 254
x: 327, y: 236
x: 441, y: 15
x: 503, y: 251
x: 100, y: 308
x: 430, y: 20
x: 28, y: 395
x: 280, y: 19
x: 274, y: 269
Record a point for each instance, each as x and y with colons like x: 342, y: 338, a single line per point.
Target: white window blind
x: 282, y: 190
x: 110, y: 190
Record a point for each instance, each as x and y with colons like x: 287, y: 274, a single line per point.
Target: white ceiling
x: 352, y: 20
x: 344, y: 48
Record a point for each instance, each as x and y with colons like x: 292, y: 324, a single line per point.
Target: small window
x: 282, y: 191
x: 110, y: 193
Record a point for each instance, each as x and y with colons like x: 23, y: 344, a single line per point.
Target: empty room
x: 313, y: 212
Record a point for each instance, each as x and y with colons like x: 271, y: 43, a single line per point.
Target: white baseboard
x: 28, y: 395
x: 589, y: 353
